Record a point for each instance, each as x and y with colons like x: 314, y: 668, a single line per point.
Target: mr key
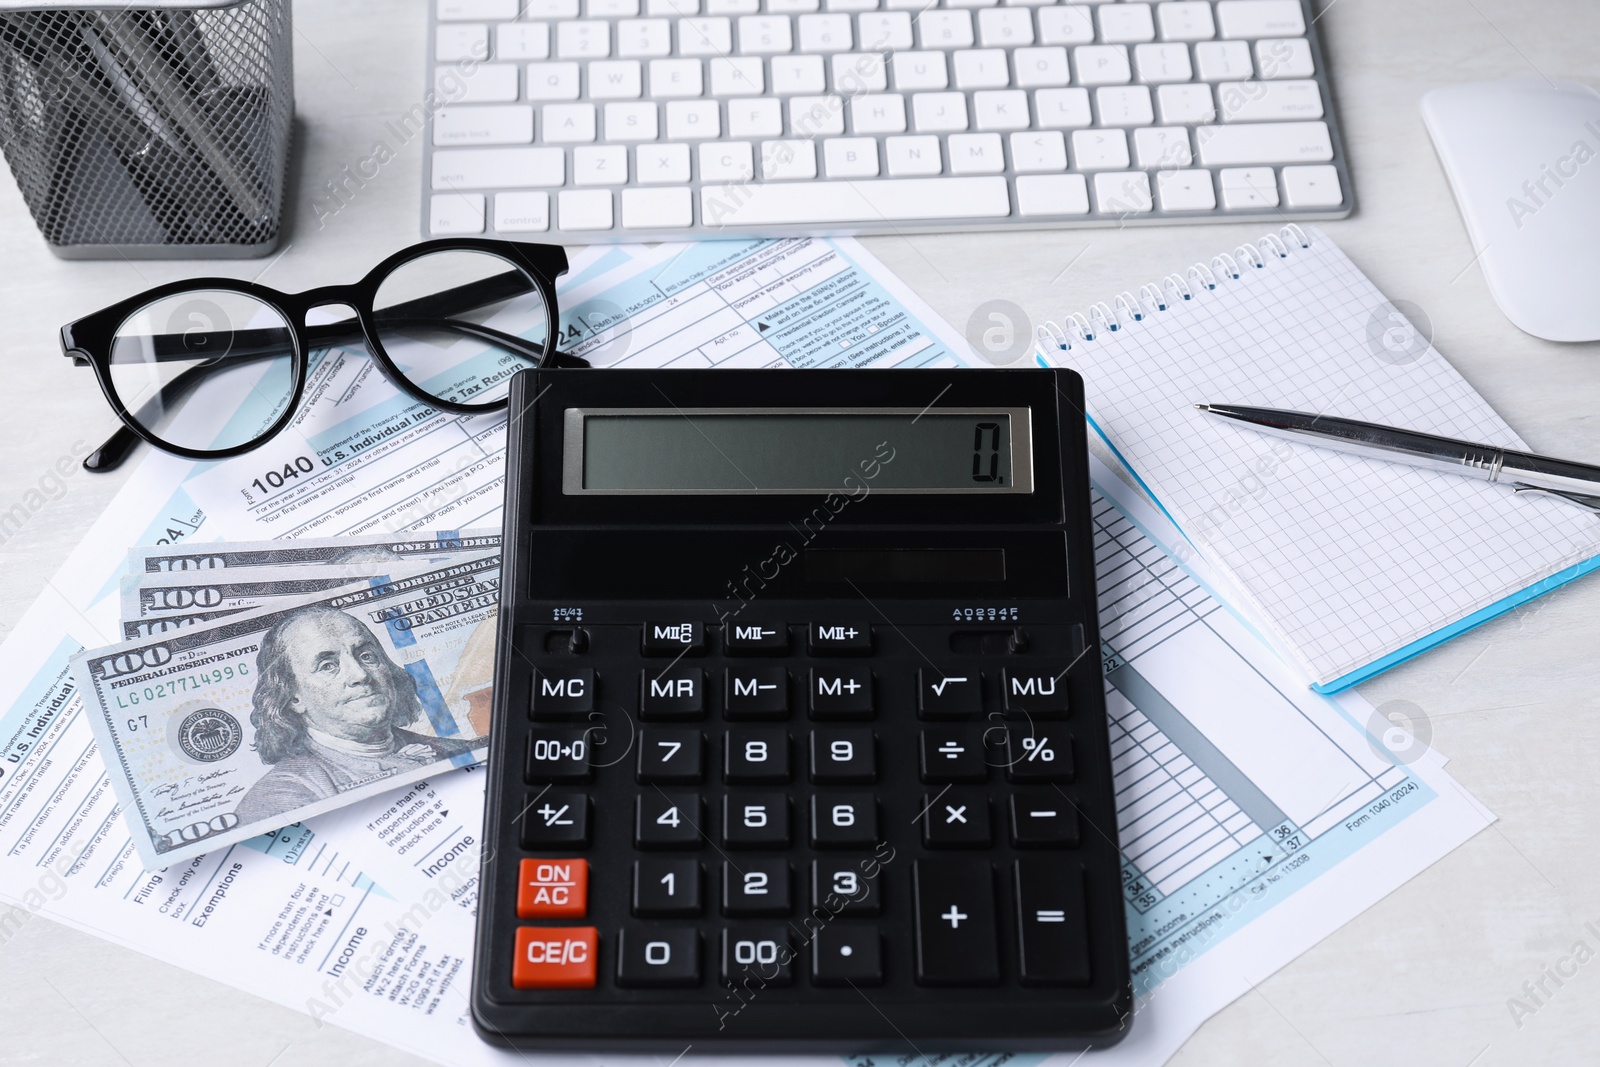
x: 780, y: 766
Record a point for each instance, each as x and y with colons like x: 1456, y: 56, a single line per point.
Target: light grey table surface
x: 1422, y: 978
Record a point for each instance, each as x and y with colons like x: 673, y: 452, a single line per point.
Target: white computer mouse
x: 1523, y: 158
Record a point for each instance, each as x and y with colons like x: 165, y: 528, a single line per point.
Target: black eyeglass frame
x: 88, y: 341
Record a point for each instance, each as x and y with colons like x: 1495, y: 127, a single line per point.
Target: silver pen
x: 1524, y: 472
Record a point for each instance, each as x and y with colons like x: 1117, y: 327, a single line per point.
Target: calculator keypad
x: 808, y: 805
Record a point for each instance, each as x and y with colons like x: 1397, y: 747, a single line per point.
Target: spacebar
x: 887, y: 199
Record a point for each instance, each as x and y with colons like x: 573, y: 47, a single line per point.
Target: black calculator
x: 799, y: 731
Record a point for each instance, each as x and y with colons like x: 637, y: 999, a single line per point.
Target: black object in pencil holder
x: 154, y: 131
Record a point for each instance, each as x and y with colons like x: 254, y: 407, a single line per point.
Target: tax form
x: 363, y: 917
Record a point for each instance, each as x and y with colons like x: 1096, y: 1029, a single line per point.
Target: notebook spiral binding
x: 1169, y: 292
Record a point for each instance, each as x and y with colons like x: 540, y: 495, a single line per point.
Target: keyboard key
x: 553, y: 820
x: 840, y: 694
x: 522, y: 212
x: 559, y: 755
x: 755, y: 118
x: 855, y: 73
x: 489, y: 124
x: 759, y: 955
x: 1185, y: 105
x: 1122, y: 192
x: 1034, y: 693
x: 678, y: 78
x: 952, y: 694
x: 1270, y: 101
x: 847, y: 755
x: 887, y: 31
x: 670, y: 757
x: 725, y: 161
x: 1005, y: 109
x: 857, y: 201
x: 610, y: 9
x: 797, y: 74
x: 553, y: 81
x: 658, y: 956
x: 913, y: 155
x: 1035, y: 753
x: 787, y: 159
x: 879, y: 113
x: 844, y: 887
x: 599, y: 165
x: 1222, y: 60
x: 952, y: 754
x: 456, y: 10
x: 656, y: 208
x: 616, y: 79
x: 1044, y: 821
x: 1041, y: 67
x: 1124, y: 105
x: 1185, y: 20
x: 1005, y: 27
x: 1284, y: 59
x: 834, y: 638
x: 659, y: 163
x: 1062, y: 109
x: 705, y: 37
x: 486, y: 168
x: 1101, y: 64
x: 847, y: 954
x: 667, y: 820
x: 574, y: 124
x: 690, y: 119
x: 755, y: 820
x: 1053, y: 922
x: 1124, y: 23
x: 1099, y: 149
x: 665, y: 889
x: 814, y: 115
x: 1162, y: 147
x: 466, y: 41
x: 756, y: 887
x: 1186, y: 190
x: 672, y: 693
x: 1260, y: 18
x: 1156, y: 63
x: 764, y: 35
x: 1248, y: 188
x: 941, y: 28
x: 953, y: 820
x: 939, y: 112
x: 1052, y: 194
x: 553, y: 10
x: 555, y: 957
x: 490, y: 83
x: 1274, y: 142
x: 755, y: 638
x: 563, y: 693
x: 737, y: 77
x: 583, y: 39
x: 522, y: 40
x: 981, y: 69
x: 552, y: 888
x: 632, y: 122
x: 755, y: 756
x: 1066, y: 25
x: 919, y: 70
x: 1312, y: 187
x: 644, y: 37
x: 956, y: 941
x: 756, y: 693
x: 825, y: 33
x: 844, y: 820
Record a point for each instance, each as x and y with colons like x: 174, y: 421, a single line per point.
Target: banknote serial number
x: 183, y: 683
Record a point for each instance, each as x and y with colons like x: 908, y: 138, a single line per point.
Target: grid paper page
x: 1347, y: 559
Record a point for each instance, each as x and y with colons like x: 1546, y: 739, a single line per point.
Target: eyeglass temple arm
x: 120, y: 445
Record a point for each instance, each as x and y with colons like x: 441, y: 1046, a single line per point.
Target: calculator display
x: 775, y: 451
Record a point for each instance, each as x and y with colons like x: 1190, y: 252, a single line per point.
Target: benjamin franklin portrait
x: 330, y: 710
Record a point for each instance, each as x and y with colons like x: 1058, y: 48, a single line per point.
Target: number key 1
x: 666, y: 888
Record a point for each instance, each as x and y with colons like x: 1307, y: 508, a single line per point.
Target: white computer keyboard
x: 617, y: 120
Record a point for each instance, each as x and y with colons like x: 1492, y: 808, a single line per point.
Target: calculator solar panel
x: 799, y: 728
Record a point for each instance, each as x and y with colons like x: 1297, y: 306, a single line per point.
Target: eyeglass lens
x: 458, y: 324
x: 208, y: 369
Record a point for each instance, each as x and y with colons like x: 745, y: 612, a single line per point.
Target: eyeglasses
x: 448, y: 322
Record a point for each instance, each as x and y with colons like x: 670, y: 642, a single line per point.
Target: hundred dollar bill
x: 155, y: 604
x: 218, y: 732
x: 227, y: 555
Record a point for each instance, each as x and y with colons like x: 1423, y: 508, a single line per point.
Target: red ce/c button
x: 555, y: 957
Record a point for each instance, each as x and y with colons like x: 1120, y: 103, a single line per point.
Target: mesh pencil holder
x: 152, y: 131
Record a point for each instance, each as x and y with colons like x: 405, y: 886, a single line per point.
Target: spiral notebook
x: 1353, y: 565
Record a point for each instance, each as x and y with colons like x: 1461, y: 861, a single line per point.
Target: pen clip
x: 1581, y: 499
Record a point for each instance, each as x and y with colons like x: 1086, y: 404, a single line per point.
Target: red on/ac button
x: 555, y: 957
x: 552, y: 889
